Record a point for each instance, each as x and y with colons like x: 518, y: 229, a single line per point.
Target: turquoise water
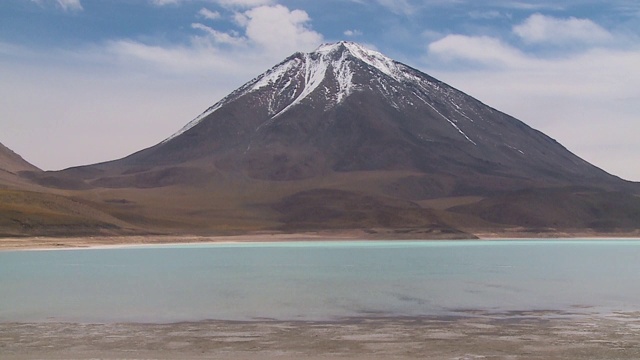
x: 318, y: 280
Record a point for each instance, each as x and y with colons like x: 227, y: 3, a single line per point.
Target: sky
x: 86, y: 81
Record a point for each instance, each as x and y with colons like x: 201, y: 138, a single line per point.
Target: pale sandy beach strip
x: 50, y: 243
x: 112, y: 242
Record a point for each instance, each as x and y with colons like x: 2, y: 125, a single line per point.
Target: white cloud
x: 488, y: 15
x: 279, y: 30
x: 269, y: 33
x: 539, y: 28
x: 244, y: 3
x: 402, y: 7
x: 199, y: 58
x: 70, y: 5
x: 240, y: 19
x: 482, y: 49
x: 272, y: 31
x: 165, y: 2
x: 352, y: 33
x: 531, y: 5
x: 224, y: 3
x: 208, y: 14
x: 66, y: 5
x: 214, y: 36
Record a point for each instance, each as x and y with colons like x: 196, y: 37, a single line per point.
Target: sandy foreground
x: 535, y: 335
x: 41, y: 243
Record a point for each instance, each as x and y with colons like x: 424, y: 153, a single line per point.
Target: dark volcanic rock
x: 345, y: 108
x: 561, y: 208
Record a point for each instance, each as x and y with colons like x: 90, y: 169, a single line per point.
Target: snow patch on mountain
x: 378, y: 61
x: 274, y: 74
x: 315, y: 67
x: 197, y: 120
x: 333, y: 66
x: 314, y: 74
x: 344, y: 76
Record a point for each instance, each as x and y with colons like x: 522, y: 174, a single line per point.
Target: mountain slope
x: 342, y: 122
x: 11, y: 164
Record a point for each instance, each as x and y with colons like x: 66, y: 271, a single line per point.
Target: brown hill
x: 28, y: 209
x: 12, y: 162
x: 28, y: 213
x: 11, y: 165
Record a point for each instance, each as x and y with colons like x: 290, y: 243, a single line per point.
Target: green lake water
x: 318, y: 280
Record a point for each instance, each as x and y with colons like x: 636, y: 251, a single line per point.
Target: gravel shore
x: 523, y: 336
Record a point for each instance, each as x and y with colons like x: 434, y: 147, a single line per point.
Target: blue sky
x: 83, y: 81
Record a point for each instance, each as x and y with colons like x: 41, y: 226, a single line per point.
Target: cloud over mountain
x: 539, y: 28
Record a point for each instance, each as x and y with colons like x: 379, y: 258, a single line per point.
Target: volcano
x: 345, y: 137
x: 345, y: 108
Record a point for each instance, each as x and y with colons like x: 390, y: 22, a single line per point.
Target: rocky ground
x: 473, y: 335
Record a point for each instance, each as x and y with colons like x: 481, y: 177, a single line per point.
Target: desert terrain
x: 470, y: 336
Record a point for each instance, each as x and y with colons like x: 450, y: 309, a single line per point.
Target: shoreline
x: 112, y: 242
x: 133, y: 241
x: 524, y: 336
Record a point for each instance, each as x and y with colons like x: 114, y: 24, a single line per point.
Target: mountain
x: 345, y: 137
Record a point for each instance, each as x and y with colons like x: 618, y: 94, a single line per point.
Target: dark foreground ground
x: 530, y: 335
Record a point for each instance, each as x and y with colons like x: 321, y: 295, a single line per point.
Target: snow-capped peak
x: 370, y: 57
x: 311, y: 68
x: 339, y: 59
x: 331, y: 65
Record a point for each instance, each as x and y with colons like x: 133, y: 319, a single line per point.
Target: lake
x: 318, y: 280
